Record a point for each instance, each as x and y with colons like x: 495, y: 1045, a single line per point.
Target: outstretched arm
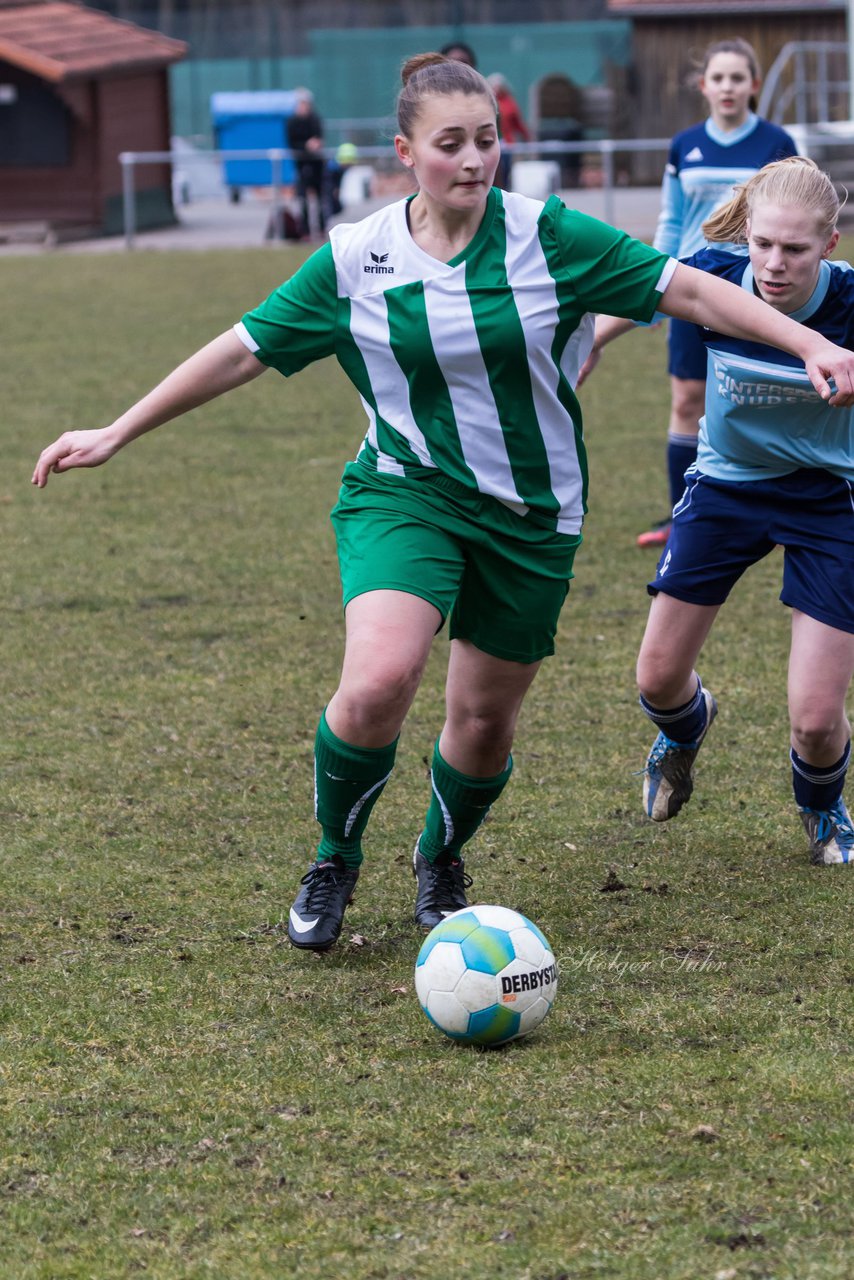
x: 707, y: 300
x: 222, y: 365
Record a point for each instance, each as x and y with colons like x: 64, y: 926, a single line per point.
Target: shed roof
x: 58, y: 40
x: 730, y: 8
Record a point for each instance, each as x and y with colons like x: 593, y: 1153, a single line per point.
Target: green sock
x: 458, y: 806
x: 348, y: 781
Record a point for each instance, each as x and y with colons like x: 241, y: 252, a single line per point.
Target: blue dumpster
x: 252, y: 121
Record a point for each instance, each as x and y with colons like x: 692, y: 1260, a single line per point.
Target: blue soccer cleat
x: 669, y: 773
x: 830, y: 833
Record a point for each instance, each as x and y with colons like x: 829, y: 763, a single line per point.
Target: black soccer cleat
x: 315, y: 919
x: 441, y: 887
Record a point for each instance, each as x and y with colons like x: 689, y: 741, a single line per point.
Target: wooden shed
x: 78, y: 87
x: 669, y: 36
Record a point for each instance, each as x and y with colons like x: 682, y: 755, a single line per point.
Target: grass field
x: 184, y: 1095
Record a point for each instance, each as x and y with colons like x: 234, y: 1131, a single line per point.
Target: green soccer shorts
x: 502, y: 578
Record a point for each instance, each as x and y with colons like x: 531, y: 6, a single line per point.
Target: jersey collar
x: 492, y: 203
x: 812, y: 303
x: 736, y: 135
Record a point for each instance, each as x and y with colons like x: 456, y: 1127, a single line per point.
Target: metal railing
x: 818, y: 139
x: 605, y: 148
x: 800, y: 80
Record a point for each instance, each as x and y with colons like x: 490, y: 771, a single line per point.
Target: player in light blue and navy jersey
x: 705, y: 164
x: 763, y: 418
x: 775, y: 467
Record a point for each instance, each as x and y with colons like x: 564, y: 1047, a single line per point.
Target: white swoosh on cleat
x: 302, y: 926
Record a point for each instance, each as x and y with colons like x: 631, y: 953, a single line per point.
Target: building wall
x: 133, y: 115
x: 106, y: 117
x: 50, y: 193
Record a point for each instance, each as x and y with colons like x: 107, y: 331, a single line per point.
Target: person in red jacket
x: 511, y: 125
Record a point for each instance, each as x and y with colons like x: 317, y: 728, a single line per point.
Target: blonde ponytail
x: 795, y: 181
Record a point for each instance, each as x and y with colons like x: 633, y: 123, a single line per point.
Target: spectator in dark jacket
x: 305, y: 140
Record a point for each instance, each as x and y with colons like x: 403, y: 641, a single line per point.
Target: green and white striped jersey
x: 467, y: 366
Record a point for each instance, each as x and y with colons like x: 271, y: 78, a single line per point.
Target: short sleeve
x: 610, y: 272
x: 296, y: 324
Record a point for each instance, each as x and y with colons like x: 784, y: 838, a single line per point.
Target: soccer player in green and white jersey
x: 462, y: 317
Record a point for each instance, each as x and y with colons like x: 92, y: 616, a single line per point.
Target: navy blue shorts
x: 722, y: 527
x: 686, y: 351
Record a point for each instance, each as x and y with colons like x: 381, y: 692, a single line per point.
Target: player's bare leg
x: 821, y: 664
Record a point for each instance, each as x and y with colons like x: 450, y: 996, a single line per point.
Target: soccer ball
x: 486, y: 975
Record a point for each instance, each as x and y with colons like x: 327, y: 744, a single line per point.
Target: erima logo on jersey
x: 665, y: 565
x: 377, y: 267
x: 694, y: 154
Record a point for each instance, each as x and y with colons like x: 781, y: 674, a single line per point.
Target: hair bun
x: 417, y: 62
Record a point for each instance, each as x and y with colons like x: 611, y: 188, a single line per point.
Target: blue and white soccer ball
x: 486, y: 975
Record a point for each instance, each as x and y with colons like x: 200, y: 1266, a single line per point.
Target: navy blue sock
x: 681, y: 452
x: 818, y: 787
x: 681, y: 724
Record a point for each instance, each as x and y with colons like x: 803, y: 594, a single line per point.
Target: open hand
x: 73, y: 449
